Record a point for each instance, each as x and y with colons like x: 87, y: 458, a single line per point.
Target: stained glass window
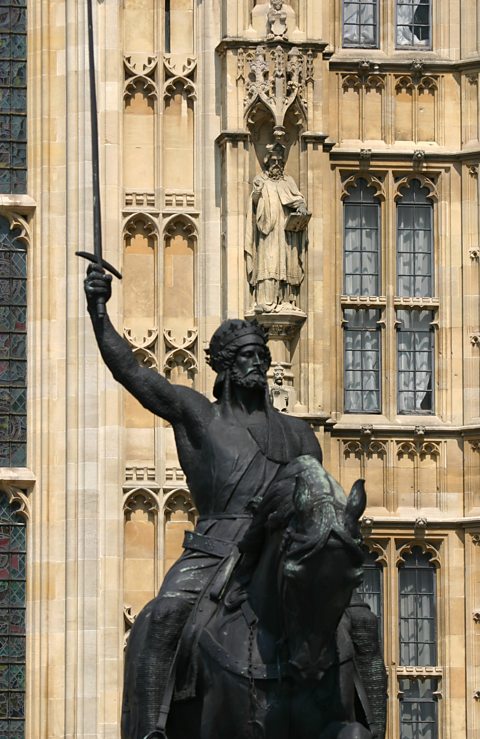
x: 13, y: 96
x: 13, y: 308
x: 12, y: 622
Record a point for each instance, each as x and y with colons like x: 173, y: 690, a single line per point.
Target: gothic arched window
x: 361, y: 241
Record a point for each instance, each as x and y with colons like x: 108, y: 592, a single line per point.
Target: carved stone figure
x: 276, y: 235
x: 283, y: 396
x: 237, y: 454
x: 275, y: 20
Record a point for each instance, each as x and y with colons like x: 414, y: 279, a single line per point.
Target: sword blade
x: 97, y: 214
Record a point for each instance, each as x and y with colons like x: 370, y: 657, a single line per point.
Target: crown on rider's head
x: 229, y: 337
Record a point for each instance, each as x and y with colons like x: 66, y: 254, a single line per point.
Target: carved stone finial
x: 420, y: 523
x: 419, y: 431
x: 476, y: 615
x: 366, y: 526
x: 418, y: 156
x: 367, y: 430
x: 418, y: 67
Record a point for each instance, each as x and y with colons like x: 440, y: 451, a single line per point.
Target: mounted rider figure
x: 231, y: 450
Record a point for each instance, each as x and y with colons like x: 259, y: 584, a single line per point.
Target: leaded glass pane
x: 415, y: 362
x: 361, y: 241
x: 13, y: 96
x: 417, y: 609
x: 12, y: 622
x: 413, y: 24
x: 13, y: 365
x: 370, y: 590
x: 362, y: 361
x: 360, y: 23
x: 418, y: 709
x: 415, y: 243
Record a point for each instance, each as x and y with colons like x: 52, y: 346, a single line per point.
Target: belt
x: 207, y: 544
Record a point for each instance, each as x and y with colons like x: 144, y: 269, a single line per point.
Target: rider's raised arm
x: 149, y: 387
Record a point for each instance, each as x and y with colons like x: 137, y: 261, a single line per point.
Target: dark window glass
x: 360, y: 22
x: 362, y: 361
x: 13, y: 96
x: 361, y: 241
x: 413, y: 24
x: 415, y: 361
x: 13, y: 371
x: 12, y: 622
x: 370, y: 590
x: 415, y: 243
x: 418, y: 632
x: 418, y: 709
x: 167, y: 27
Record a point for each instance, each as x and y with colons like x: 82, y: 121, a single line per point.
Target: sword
x: 96, y: 257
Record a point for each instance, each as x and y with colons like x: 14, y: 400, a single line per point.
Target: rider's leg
x: 153, y: 642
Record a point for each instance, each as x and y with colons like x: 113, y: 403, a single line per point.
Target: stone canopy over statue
x: 276, y: 236
x: 256, y: 630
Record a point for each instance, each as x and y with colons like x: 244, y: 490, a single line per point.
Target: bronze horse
x: 270, y: 659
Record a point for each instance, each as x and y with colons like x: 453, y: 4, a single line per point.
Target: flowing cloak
x: 271, y: 252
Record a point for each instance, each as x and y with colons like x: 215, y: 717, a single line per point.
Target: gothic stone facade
x: 377, y: 107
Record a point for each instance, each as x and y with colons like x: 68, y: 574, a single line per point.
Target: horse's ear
x: 356, y: 503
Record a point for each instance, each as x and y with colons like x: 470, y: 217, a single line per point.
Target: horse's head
x: 312, y: 550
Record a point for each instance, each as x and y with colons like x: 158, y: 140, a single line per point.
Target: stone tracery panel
x: 179, y: 299
x: 140, y: 96
x: 141, y: 509
x: 140, y: 287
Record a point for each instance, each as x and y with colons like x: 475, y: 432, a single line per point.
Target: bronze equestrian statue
x: 268, y: 512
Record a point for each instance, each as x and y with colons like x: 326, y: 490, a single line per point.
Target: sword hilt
x: 105, y: 265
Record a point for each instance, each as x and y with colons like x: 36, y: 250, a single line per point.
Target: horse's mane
x: 283, y: 500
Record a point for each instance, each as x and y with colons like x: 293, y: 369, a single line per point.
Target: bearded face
x: 250, y: 367
x: 275, y: 167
